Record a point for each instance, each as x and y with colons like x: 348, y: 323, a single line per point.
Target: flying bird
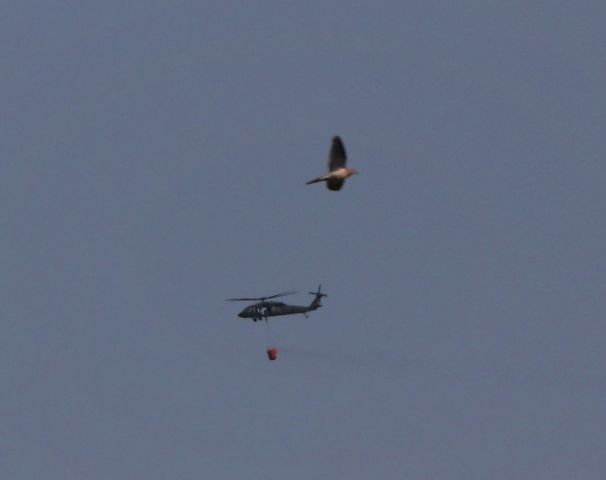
x: 337, y: 171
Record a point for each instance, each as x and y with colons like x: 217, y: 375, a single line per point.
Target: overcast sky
x: 153, y: 159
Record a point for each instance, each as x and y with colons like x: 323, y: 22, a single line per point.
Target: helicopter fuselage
x: 263, y: 310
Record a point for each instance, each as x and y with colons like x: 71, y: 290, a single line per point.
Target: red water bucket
x: 272, y: 353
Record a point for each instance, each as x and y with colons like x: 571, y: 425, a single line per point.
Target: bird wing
x: 334, y: 184
x: 338, y: 157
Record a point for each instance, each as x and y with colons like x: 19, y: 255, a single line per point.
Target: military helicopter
x: 265, y: 309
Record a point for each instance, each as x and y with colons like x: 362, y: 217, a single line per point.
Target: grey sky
x: 153, y: 161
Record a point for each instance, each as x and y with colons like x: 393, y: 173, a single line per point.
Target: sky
x: 153, y: 160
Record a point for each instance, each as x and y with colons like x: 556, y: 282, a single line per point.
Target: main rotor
x: 261, y: 299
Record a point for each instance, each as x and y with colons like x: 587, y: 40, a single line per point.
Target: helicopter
x: 265, y: 309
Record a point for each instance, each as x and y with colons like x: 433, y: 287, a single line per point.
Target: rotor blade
x: 260, y: 299
x: 282, y: 294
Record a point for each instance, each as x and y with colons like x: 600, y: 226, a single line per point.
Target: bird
x: 337, y: 171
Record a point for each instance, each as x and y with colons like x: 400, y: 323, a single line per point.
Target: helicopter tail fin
x: 315, y: 303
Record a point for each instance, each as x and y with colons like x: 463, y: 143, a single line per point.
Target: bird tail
x: 315, y: 180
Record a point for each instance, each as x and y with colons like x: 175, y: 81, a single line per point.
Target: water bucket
x: 272, y: 353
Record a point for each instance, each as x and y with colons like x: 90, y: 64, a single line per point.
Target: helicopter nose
x: 242, y: 314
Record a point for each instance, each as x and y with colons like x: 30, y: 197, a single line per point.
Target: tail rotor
x: 317, y: 297
x: 318, y: 293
